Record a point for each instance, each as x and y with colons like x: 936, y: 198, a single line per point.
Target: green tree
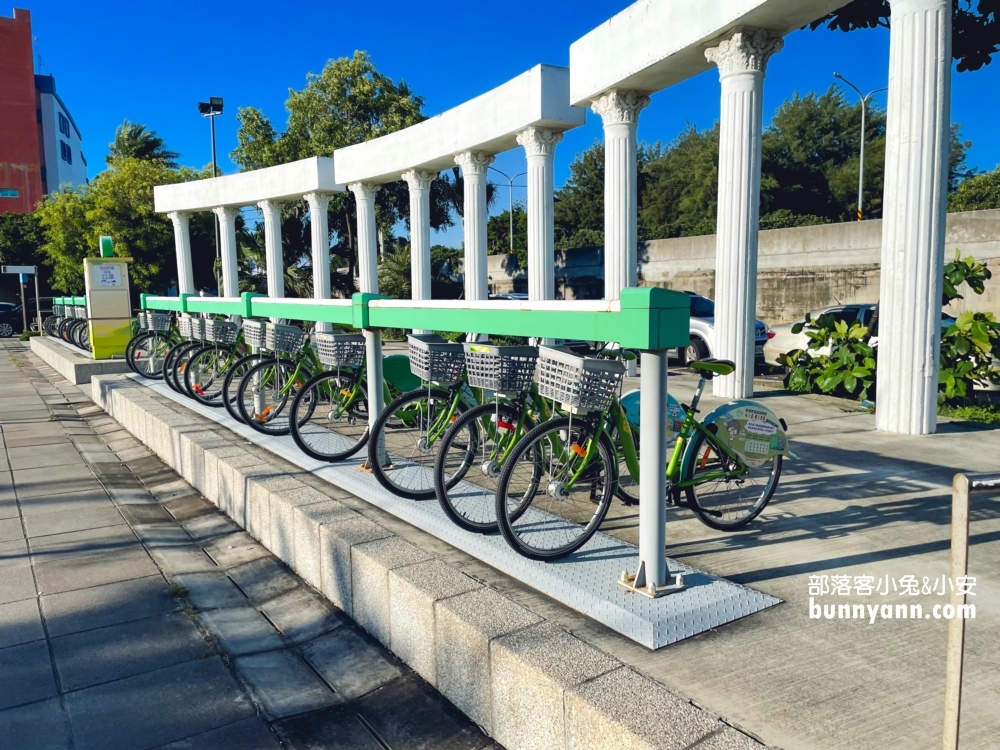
x: 975, y: 26
x: 579, y: 208
x: 134, y: 140
x: 977, y: 193
x: 21, y: 237
x: 498, y: 234
x: 68, y: 237
x: 349, y: 102
x: 679, y: 190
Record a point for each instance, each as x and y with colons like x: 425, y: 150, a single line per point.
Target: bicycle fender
x: 750, y: 430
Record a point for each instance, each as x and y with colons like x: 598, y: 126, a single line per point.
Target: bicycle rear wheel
x: 147, y: 354
x: 231, y: 383
x: 727, y: 503
x: 469, y: 461
x: 546, y: 507
x: 409, y: 430
x: 328, y: 421
x: 205, y: 372
x: 175, y: 362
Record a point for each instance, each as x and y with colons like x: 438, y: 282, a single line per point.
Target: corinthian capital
x: 318, y: 202
x: 364, y: 191
x: 473, y: 162
x: 745, y: 52
x: 269, y: 206
x: 180, y: 218
x: 539, y: 141
x: 226, y: 213
x: 620, y: 106
x: 419, y: 179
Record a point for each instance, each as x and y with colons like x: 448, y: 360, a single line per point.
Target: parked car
x: 703, y: 344
x: 11, y: 321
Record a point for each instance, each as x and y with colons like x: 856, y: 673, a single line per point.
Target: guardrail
x: 962, y: 486
x: 76, y: 301
x: 651, y: 320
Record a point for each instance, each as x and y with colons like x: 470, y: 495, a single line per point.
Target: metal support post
x: 38, y: 304
x: 652, y: 578
x: 376, y: 398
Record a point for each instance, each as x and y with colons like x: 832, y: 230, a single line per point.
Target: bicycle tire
x: 314, y: 432
x: 173, y: 361
x: 273, y: 419
x: 147, y: 355
x: 543, y: 522
x: 412, y: 476
x: 695, y: 459
x: 231, y: 383
x: 470, y: 504
x: 203, y: 380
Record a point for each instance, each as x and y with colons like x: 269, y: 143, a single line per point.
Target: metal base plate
x: 587, y: 581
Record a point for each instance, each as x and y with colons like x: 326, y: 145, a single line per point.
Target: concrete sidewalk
x: 134, y: 615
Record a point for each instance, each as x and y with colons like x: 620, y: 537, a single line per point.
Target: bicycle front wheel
x: 231, y: 383
x: 469, y: 461
x: 555, y: 489
x: 409, y: 431
x: 722, y: 498
x: 205, y: 372
x: 329, y: 419
x: 265, y: 396
x: 176, y: 363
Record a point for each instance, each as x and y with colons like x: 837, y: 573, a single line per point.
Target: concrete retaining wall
x: 74, y: 365
x: 799, y: 269
x: 527, y: 682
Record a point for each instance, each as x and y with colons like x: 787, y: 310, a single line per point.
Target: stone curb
x: 526, y: 681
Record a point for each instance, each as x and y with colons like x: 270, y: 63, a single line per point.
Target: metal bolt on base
x: 636, y: 584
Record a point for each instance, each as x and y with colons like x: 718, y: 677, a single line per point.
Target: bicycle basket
x: 340, y: 349
x: 506, y: 369
x: 579, y: 382
x: 198, y: 329
x: 284, y: 339
x: 254, y: 333
x: 435, y: 360
x: 140, y: 319
x: 158, y: 321
x: 58, y: 311
x: 80, y: 312
x: 221, y: 331
x: 184, y: 326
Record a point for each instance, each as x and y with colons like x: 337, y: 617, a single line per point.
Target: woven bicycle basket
x: 506, y: 369
x: 340, y: 349
x: 284, y: 339
x: 254, y: 332
x: 435, y: 360
x: 578, y: 382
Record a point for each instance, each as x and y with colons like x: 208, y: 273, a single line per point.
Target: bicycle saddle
x: 711, y: 367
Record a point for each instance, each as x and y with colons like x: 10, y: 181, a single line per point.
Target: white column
x: 319, y: 225
x: 741, y: 60
x: 620, y: 112
x: 419, y: 182
x: 182, y: 245
x: 272, y: 248
x: 474, y: 219
x: 913, y: 225
x: 540, y: 147
x: 227, y: 250
x: 364, y: 196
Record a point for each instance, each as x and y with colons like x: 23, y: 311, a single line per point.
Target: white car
x: 702, y: 343
x: 781, y: 340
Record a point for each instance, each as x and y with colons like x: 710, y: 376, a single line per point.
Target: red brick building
x: 20, y: 127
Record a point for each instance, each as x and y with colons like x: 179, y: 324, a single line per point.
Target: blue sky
x: 117, y: 60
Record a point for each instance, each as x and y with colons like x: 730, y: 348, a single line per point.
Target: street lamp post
x: 510, y: 194
x: 212, y: 109
x: 864, y: 111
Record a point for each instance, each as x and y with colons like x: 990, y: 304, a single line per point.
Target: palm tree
x: 135, y: 141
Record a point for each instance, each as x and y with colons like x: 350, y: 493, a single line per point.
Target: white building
x: 60, y: 140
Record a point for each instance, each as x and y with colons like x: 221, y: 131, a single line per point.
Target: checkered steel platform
x: 585, y: 581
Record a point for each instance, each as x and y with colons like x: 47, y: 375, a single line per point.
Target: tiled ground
x: 124, y: 624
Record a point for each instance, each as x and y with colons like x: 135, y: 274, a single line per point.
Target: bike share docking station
x: 590, y: 580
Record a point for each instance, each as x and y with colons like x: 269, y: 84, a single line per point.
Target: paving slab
x: 210, y: 590
x: 264, y: 579
x: 68, y: 501
x: 85, y: 542
x: 14, y: 553
x: 241, y: 630
x: 157, y: 535
x: 352, y: 662
x: 33, y: 458
x: 27, y: 674
x: 16, y: 583
x: 20, y: 622
x: 332, y: 729
x: 110, y: 653
x: 301, y: 615
x: 32, y: 440
x: 72, y: 520
x: 283, y: 685
x: 132, y: 493
x: 249, y: 734
x: 55, y: 480
x: 164, y: 706
x: 110, y: 604
x: 207, y: 525
x: 57, y: 576
x: 38, y: 726
x: 140, y: 514
x: 10, y: 529
x: 236, y: 549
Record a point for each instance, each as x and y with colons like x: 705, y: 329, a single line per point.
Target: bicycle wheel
x: 410, y: 429
x: 147, y: 354
x: 231, y: 383
x: 175, y: 363
x: 83, y: 337
x: 544, y: 511
x: 64, y: 326
x: 628, y: 485
x: 469, y: 461
x: 726, y: 503
x: 265, y: 395
x: 205, y: 372
x: 329, y: 422
x: 50, y: 325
